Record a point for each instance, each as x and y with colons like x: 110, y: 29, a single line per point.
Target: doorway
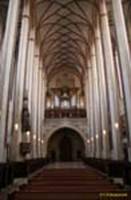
x: 65, y: 149
x: 65, y: 145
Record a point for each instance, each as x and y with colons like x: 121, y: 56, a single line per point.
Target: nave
x: 70, y: 181
x: 65, y: 95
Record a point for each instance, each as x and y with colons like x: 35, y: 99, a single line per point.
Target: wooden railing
x: 61, y: 113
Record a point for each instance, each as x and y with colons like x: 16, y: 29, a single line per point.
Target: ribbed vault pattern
x: 65, y: 29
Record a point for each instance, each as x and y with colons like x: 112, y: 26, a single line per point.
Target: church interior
x: 65, y: 99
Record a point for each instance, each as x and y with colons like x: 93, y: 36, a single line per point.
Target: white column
x: 1, y: 31
x: 6, y: 65
x: 111, y: 81
x: 28, y: 74
x: 103, y: 94
x: 129, y: 31
x: 120, y: 84
x: 30, y: 62
x: 41, y: 114
x: 43, y: 99
x: 92, y: 128
x: 125, y: 56
x: 1, y: 37
x: 34, y: 104
x: 41, y: 109
x: 87, y: 105
x: 96, y: 108
x: 20, y: 79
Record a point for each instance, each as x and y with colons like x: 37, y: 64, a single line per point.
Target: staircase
x: 67, y: 184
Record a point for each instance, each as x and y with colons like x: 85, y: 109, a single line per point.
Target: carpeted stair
x: 68, y: 184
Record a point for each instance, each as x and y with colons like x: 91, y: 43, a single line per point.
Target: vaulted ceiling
x: 66, y: 29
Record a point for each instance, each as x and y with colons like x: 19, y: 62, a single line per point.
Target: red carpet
x: 68, y: 184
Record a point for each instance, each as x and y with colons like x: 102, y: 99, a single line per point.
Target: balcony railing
x: 63, y: 113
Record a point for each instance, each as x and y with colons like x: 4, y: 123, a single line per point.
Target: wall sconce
x: 34, y: 137
x: 16, y: 127
x: 28, y: 133
x: 88, y: 141
x: 42, y: 141
x: 97, y: 136
x: 104, y: 132
x: 117, y: 125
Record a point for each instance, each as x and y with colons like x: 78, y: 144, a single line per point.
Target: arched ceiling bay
x: 65, y: 30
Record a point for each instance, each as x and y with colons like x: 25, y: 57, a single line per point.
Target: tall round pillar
x: 125, y: 57
x: 7, y: 56
x: 102, y: 92
x: 20, y: 77
x: 96, y: 103
x: 111, y: 81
